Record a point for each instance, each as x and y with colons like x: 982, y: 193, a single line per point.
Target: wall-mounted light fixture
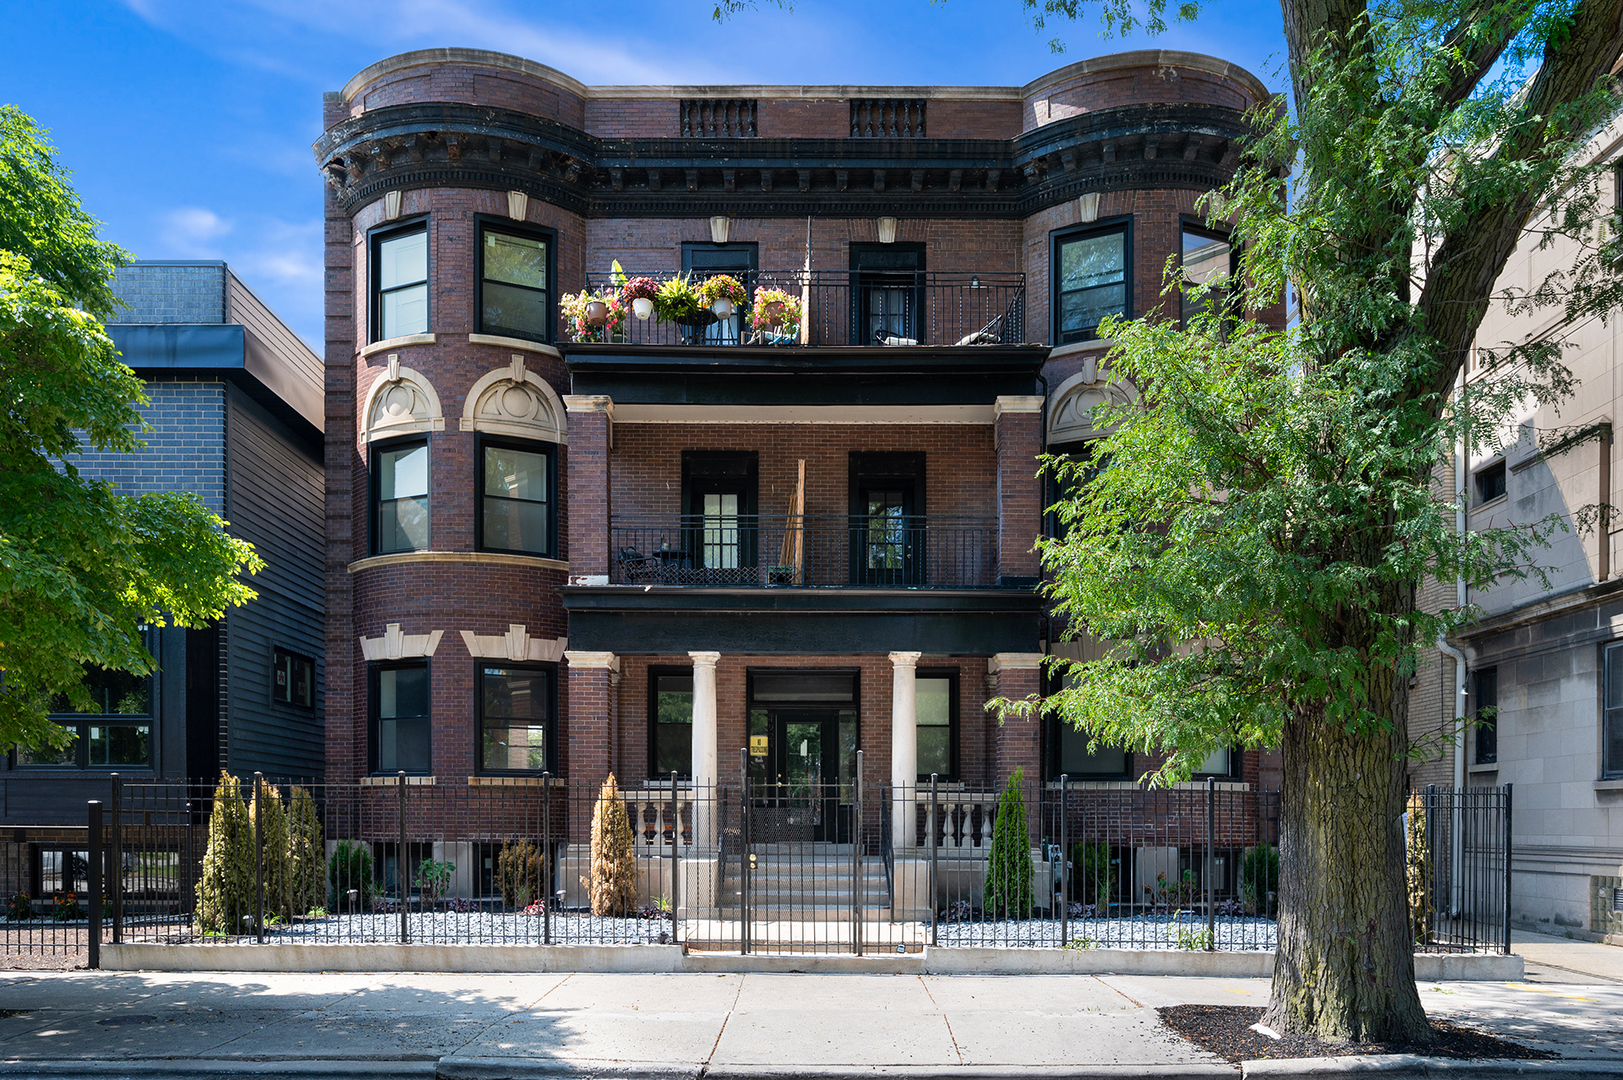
x: 518, y: 205
x: 887, y: 230
x: 1087, y: 206
x: 721, y: 227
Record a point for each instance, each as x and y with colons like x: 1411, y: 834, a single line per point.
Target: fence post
x: 259, y: 858
x: 856, y: 862
x: 1064, y: 862
x: 676, y: 829
x: 186, y: 862
x: 1211, y: 863
x: 94, y: 868
x: 400, y: 858
x: 546, y: 858
x: 935, y: 851
x: 1507, y: 867
x: 1429, y: 876
x: 115, y: 850
x: 743, y: 851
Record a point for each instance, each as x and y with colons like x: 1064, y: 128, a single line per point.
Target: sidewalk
x: 477, y: 1027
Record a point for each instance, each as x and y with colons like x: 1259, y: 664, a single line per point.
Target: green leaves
x: 82, y: 567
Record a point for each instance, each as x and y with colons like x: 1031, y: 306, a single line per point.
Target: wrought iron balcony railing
x: 846, y: 308
x: 822, y: 551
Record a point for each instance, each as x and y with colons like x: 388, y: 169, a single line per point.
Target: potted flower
x: 591, y: 316
x: 722, y: 293
x: 639, y: 292
x: 678, y: 301
x: 776, y: 312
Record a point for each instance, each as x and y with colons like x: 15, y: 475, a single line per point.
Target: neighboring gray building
x: 236, y: 412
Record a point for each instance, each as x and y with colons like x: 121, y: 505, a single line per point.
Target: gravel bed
x: 430, y: 927
x: 1133, y: 932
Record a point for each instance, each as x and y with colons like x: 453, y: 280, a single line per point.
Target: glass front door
x: 886, y: 542
x: 799, y: 798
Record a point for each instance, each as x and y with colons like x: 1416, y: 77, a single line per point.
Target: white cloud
x: 192, y: 232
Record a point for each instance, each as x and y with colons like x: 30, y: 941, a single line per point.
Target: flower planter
x: 642, y: 308
x: 597, y: 313
x: 772, y: 312
x: 723, y: 308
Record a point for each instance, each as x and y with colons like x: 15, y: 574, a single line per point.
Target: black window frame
x: 375, y: 239
x: 895, y: 260
x: 277, y: 653
x: 1231, y: 301
x: 655, y: 673
x: 1492, y: 476
x: 81, y: 723
x: 1052, y: 751
x: 951, y: 676
x: 374, y: 489
x: 740, y: 260
x: 1485, y: 726
x: 549, y: 724
x: 1611, y: 764
x: 713, y: 472
x: 528, y: 446
x: 374, y: 670
x: 1058, y: 238
x: 486, y: 223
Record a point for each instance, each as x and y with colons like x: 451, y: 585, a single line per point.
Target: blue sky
x: 188, y: 124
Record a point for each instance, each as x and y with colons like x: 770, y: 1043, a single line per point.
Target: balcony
x: 897, y: 308
x: 811, y: 552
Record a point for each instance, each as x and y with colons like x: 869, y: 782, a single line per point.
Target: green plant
x: 677, y: 301
x: 19, y: 906
x: 521, y: 873
x: 306, y: 856
x: 68, y: 908
x: 270, y: 825
x: 225, y: 890
x: 1416, y: 866
x: 639, y: 288
x: 434, y: 878
x: 1259, y: 876
x: 611, y: 885
x: 663, y: 902
x: 722, y: 287
x: 574, y: 305
x: 1091, y: 876
x: 1192, y: 940
x: 1082, y: 944
x: 1010, y: 886
x: 777, y: 310
x: 350, y: 868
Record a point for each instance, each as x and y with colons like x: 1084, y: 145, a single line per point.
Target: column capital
x: 589, y: 403
x: 1014, y: 403
x: 704, y: 659
x: 905, y: 659
x: 1014, y: 661
x: 606, y: 660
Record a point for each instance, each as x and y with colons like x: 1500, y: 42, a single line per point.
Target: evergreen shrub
x: 612, y: 884
x: 521, y: 873
x: 1009, y: 876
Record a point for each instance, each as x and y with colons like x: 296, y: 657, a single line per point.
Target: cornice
x: 1166, y: 145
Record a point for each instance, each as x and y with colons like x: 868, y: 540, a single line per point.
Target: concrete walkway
x: 686, y: 1025
x: 1554, y: 958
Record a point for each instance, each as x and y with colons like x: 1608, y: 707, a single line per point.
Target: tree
x: 1009, y: 891
x: 611, y: 887
x: 226, y: 888
x: 1254, y: 547
x: 82, y: 568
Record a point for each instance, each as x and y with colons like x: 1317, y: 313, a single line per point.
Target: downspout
x: 1461, y: 491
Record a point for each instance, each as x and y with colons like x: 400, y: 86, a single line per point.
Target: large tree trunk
x: 1345, y: 966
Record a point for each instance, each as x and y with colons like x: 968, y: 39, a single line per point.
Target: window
x: 1090, y: 281
x: 1067, y: 749
x: 400, y: 497
x: 1064, y: 489
x: 670, y: 722
x: 400, y: 283
x: 113, y: 730
x: 936, y: 709
x: 293, y: 679
x: 720, y: 525
x: 1486, y: 715
x: 887, y: 518
x: 1207, y: 258
x: 888, y: 293
x: 1490, y: 482
x: 1219, y: 763
x: 400, y: 715
x: 515, y: 718
x: 515, y: 276
x: 515, y: 486
x: 1612, y: 714
x: 740, y: 261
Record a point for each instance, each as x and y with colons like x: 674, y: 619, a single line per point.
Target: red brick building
x: 646, y: 553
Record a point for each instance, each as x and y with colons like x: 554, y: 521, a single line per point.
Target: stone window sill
x: 515, y: 781
x: 396, y: 343
x: 1609, y: 785
x: 1485, y: 767
x: 523, y: 344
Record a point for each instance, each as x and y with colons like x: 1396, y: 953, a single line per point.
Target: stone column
x: 590, y: 434
x: 1019, y: 489
x: 904, y: 745
x: 1018, y: 742
x: 706, y: 771
x: 590, y: 690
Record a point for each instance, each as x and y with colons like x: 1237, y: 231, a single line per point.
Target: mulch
x: 1225, y: 1030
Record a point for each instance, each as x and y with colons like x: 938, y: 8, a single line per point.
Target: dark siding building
x: 235, y: 412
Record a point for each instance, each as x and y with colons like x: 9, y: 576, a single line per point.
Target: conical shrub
x: 612, y: 886
x: 271, y: 826
x: 1009, y: 885
x: 305, y: 854
x: 225, y: 890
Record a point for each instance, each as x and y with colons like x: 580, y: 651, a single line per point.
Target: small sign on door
x: 758, y: 746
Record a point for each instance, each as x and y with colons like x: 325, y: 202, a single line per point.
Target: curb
x: 971, y: 1072
x: 215, y: 1068
x: 1411, y: 1065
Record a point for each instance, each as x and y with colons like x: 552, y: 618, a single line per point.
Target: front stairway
x: 810, y: 881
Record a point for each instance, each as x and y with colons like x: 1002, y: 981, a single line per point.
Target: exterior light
x: 887, y: 230
x: 721, y: 227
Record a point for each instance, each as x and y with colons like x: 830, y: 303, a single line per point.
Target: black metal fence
x: 800, y: 862
x: 887, y: 307
x: 808, y: 551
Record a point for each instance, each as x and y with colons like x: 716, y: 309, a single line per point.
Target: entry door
x: 886, y: 547
x: 808, y: 770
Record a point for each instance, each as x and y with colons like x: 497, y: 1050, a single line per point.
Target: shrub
x: 611, y: 887
x: 1009, y: 876
x: 521, y: 873
x: 305, y: 854
x: 225, y: 890
x: 271, y: 823
x: 434, y: 879
x: 1090, y: 867
x: 68, y: 908
x: 350, y: 868
x: 1259, y: 876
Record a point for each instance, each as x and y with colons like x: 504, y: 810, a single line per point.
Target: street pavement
x: 769, y: 1025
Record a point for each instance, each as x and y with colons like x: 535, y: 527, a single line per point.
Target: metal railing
x: 747, y: 864
x: 840, y: 307
x: 809, y: 551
